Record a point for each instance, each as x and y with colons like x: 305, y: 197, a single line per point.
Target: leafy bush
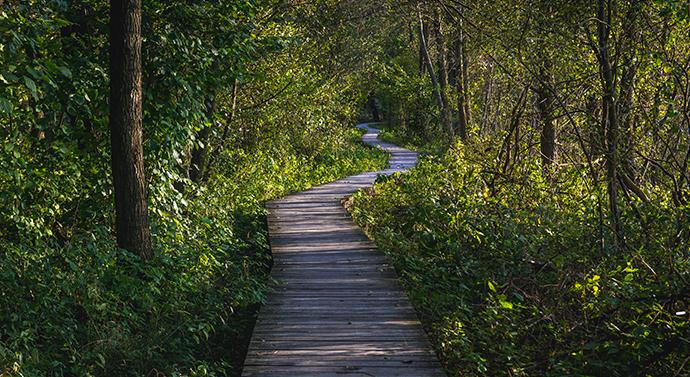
x: 514, y: 277
x: 84, y: 307
x: 71, y: 303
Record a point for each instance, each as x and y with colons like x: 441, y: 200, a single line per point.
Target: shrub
x: 515, y: 277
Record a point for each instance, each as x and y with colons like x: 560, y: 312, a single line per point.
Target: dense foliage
x: 546, y: 230
x: 512, y: 280
x: 71, y: 302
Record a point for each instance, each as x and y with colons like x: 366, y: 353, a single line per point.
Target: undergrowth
x: 79, y: 306
x: 518, y: 276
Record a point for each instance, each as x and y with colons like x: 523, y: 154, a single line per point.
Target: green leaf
x: 5, y: 106
x: 101, y: 360
x: 9, y: 77
x: 37, y: 75
x: 31, y: 85
x: 65, y: 71
x: 79, y: 99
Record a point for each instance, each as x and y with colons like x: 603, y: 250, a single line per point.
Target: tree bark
x: 629, y: 65
x: 423, y: 28
x: 487, y: 93
x: 374, y: 108
x: 442, y: 73
x: 429, y: 63
x: 545, y: 104
x: 461, y: 85
x: 609, y: 119
x: 465, y: 76
x: 545, y: 90
x: 126, y: 133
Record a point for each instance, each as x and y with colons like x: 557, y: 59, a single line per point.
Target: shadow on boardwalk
x: 338, y: 308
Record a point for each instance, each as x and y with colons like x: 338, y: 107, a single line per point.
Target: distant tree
x: 424, y: 50
x: 126, y: 134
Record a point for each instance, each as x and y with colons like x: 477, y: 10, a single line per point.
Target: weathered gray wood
x: 344, y: 345
x: 339, y: 371
x: 344, y: 352
x: 337, y: 307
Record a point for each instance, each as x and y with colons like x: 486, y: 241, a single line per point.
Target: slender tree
x: 461, y: 83
x: 126, y: 134
x: 430, y: 66
x: 442, y: 70
x: 545, y: 105
x: 371, y: 101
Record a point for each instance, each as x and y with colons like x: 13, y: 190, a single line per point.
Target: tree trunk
x: 609, y: 119
x: 126, y: 133
x: 422, y: 48
x: 465, y: 76
x: 442, y: 73
x: 487, y: 93
x: 374, y: 109
x: 429, y: 64
x: 461, y: 85
x: 628, y: 66
x: 545, y: 104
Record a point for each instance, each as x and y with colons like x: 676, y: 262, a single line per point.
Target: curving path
x: 338, y: 309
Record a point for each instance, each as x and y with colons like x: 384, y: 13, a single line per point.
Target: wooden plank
x: 310, y: 371
x: 339, y: 317
x: 329, y: 268
x: 333, y: 260
x: 292, y: 276
x: 336, y: 290
x: 307, y: 254
x: 337, y: 307
x: 316, y: 353
x: 338, y: 327
x: 339, y: 345
x: 324, y: 247
x: 349, y: 361
x: 338, y: 312
x: 366, y: 301
x: 340, y: 321
x: 351, y: 300
x: 272, y: 334
x: 329, y: 309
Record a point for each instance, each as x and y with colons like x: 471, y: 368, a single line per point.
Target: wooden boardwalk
x: 339, y: 308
